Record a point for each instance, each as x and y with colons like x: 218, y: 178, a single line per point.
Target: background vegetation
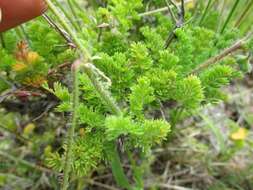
x: 116, y: 94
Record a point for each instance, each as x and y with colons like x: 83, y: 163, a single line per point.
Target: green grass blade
x: 230, y: 16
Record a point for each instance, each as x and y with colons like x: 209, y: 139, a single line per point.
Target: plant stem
x: 113, y: 155
x: 163, y: 9
x: 101, y: 91
x: 216, y: 131
x: 59, y: 30
x: 18, y: 136
x: 226, y: 52
x: 244, y: 13
x: 84, y: 51
x: 24, y: 162
x: 71, y: 130
x: 72, y: 8
x: 230, y: 16
x: 86, y: 58
x: 205, y: 12
x: 68, y: 16
x: 177, y: 116
x: 117, y: 169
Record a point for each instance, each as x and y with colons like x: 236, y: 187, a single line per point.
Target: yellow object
x: 240, y: 134
x: 190, y: 5
x: 82, y: 132
x: 19, y: 66
x: 32, y: 57
x: 29, y: 129
x: 36, y: 81
x: 48, y: 150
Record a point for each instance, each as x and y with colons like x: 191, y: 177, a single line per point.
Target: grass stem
x: 205, y: 11
x: 230, y: 16
x: 244, y: 14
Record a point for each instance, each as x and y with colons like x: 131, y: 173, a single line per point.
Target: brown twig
x: 163, y: 9
x: 92, y: 182
x: 171, y: 11
x: 64, y: 65
x: 26, y: 163
x: 63, y: 33
x: 235, y: 47
x: 226, y: 52
x: 179, y: 22
x: 48, y: 108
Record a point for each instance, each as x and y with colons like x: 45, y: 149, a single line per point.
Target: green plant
x: 126, y: 87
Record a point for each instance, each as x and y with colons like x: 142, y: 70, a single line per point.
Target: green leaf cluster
x: 148, y: 82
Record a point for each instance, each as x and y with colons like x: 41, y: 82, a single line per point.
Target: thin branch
x: 72, y: 8
x: 62, y: 66
x: 226, y: 52
x: 71, y: 130
x: 67, y: 14
x: 25, y: 34
x: 171, y: 12
x: 84, y: 52
x: 167, y: 186
x: 63, y: 33
x: 45, y: 112
x: 105, y: 96
x: 26, y: 163
x: 86, y: 59
x: 235, y: 47
x: 163, y: 9
x: 173, y: 4
x: 170, y: 38
x: 104, y: 186
x: 179, y: 24
x: 18, y: 136
x: 163, y: 112
x: 182, y: 10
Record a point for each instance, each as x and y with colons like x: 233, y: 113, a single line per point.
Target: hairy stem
x: 86, y: 58
x: 105, y: 96
x: 113, y: 155
x: 71, y: 130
